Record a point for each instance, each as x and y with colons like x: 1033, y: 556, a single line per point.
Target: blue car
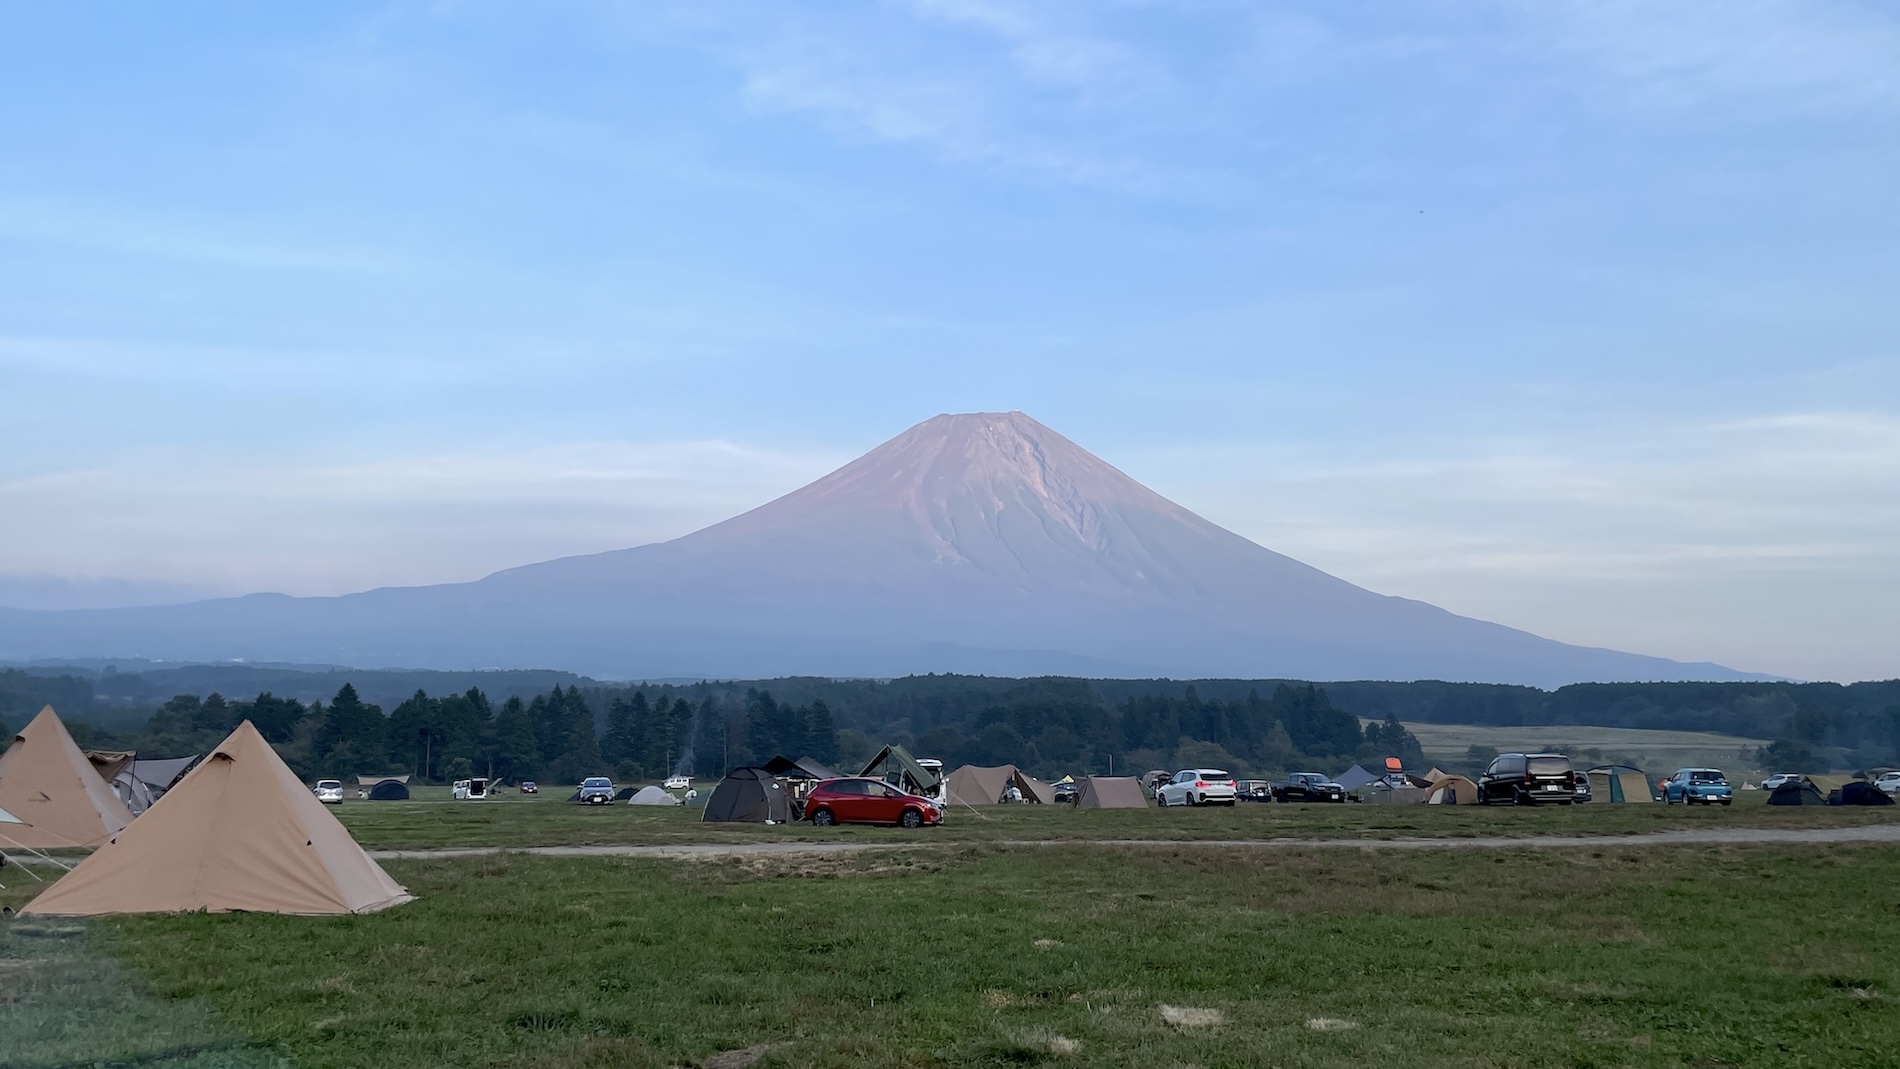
x: 1692, y: 785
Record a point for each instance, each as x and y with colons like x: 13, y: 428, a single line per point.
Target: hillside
x: 971, y: 543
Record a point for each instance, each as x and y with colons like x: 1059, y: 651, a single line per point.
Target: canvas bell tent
x: 1109, y: 792
x: 47, y: 782
x: 749, y: 795
x: 239, y: 833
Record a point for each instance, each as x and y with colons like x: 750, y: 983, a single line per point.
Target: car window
x: 849, y: 786
x: 1705, y: 777
x: 1214, y: 773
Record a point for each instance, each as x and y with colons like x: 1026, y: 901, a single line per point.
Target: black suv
x: 1528, y: 779
x: 1309, y: 787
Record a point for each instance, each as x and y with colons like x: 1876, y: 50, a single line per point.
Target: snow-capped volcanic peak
x: 944, y: 469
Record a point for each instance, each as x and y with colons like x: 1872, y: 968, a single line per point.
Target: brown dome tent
x: 239, y: 833
x: 47, y: 782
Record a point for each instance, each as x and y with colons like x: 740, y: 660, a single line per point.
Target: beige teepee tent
x: 239, y: 833
x: 46, y: 781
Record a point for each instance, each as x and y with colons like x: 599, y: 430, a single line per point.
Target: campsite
x: 249, y: 924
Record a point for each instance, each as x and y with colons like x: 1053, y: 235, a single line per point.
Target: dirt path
x: 1878, y: 833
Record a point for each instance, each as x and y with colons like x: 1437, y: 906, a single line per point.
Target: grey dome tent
x: 651, y: 795
x: 389, y: 790
x: 1800, y: 792
x: 749, y: 795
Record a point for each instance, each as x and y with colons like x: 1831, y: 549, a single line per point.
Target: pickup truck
x: 1308, y: 787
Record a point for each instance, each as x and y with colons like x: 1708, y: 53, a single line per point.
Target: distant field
x: 990, y: 956
x: 547, y: 821
x: 1655, y: 751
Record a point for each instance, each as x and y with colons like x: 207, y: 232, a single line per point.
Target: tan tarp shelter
x: 1034, y: 790
x: 46, y: 781
x: 1109, y: 792
x: 109, y: 763
x: 979, y: 784
x: 239, y: 833
x: 1436, y: 774
x: 1451, y: 790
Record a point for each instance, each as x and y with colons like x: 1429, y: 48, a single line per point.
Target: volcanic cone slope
x: 981, y: 542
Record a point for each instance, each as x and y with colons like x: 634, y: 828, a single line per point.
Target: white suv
x: 329, y: 791
x: 1889, y: 782
x: 1198, y: 786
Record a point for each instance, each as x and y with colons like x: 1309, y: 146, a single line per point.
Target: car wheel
x: 911, y: 819
x: 823, y: 819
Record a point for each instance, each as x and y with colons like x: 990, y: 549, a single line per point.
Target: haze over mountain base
x: 981, y: 543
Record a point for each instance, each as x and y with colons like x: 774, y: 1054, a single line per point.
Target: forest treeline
x: 561, y: 732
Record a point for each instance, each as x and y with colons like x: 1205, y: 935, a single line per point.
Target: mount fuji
x: 980, y: 542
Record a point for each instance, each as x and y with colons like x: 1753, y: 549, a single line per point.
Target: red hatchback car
x: 868, y: 801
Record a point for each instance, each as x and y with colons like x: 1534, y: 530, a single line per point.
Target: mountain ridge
x: 971, y: 542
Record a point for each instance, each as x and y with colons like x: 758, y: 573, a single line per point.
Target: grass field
x: 519, y: 821
x: 1073, y: 956
x: 1659, y: 752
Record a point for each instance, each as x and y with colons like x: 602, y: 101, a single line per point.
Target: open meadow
x: 1660, y: 752
x: 1010, y: 938
x: 987, y: 955
x: 516, y: 821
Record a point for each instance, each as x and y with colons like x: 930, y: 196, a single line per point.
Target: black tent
x: 389, y: 790
x: 1799, y: 792
x: 749, y: 795
x: 624, y: 793
x: 803, y: 768
x: 1859, y: 792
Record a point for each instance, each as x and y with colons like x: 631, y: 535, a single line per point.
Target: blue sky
x: 1573, y: 314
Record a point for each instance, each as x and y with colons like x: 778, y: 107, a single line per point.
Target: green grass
x: 517, y: 821
x: 63, y: 1003
x: 986, y: 955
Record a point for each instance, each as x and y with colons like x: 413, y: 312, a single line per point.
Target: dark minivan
x: 1527, y: 779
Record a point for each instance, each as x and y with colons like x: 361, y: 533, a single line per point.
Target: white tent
x: 651, y: 795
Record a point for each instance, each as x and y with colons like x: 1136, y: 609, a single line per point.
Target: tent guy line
x: 1883, y: 833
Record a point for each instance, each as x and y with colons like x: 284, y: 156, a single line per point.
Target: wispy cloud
x: 316, y: 526
x: 96, y: 227
x: 1795, y: 53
